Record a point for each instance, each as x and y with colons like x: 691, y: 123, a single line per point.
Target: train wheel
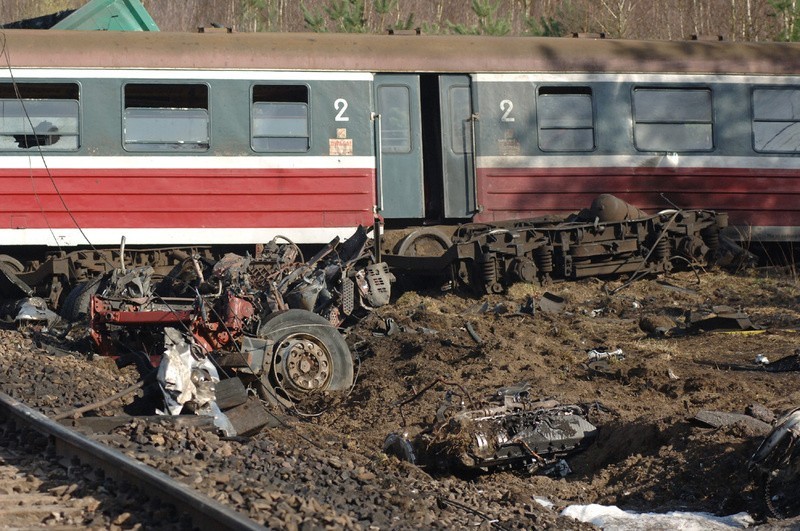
x: 14, y: 264
x: 428, y: 241
x: 309, y: 357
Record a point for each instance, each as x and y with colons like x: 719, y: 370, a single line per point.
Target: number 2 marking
x: 341, y: 106
x: 507, y: 106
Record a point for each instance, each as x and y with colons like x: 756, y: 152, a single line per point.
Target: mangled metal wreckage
x: 513, y: 431
x: 269, y: 320
x: 776, y: 465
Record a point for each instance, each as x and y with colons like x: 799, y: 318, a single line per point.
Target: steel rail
x: 204, y: 512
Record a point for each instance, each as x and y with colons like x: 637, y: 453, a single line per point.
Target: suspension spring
x: 543, y: 258
x: 661, y: 251
x: 711, y: 238
x: 491, y: 277
x: 489, y: 270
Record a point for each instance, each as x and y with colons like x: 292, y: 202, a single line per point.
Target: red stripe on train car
x: 750, y: 196
x: 210, y: 198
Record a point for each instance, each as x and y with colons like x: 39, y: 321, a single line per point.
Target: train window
x: 776, y: 120
x: 39, y: 116
x: 565, y: 119
x: 280, y: 118
x: 672, y: 119
x: 394, y: 102
x: 166, y: 117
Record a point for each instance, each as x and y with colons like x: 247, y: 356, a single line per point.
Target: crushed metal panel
x: 249, y: 418
x: 109, y: 15
x: 721, y: 419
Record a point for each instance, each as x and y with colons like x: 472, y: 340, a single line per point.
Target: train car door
x: 400, y: 176
x: 455, y: 107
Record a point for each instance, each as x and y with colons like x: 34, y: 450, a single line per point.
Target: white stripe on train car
x: 673, y: 160
x: 643, y: 77
x: 169, y: 236
x: 21, y: 74
x: 200, y: 162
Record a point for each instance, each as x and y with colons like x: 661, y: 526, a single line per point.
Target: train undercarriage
x: 609, y: 238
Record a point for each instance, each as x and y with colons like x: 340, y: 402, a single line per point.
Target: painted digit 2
x: 507, y: 106
x: 341, y: 106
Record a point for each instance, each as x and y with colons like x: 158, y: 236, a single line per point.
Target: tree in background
x: 787, y: 13
x: 489, y: 22
x: 630, y: 19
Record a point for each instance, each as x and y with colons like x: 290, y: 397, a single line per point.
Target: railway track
x: 69, y: 488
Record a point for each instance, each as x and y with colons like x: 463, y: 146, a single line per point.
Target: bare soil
x: 649, y: 456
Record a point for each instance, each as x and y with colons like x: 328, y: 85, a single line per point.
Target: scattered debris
x: 472, y: 333
x: 776, y: 465
x: 603, y: 353
x: 761, y: 363
x: 514, y: 431
x: 600, y: 359
x: 718, y: 318
x: 713, y: 319
x: 34, y: 315
x: 551, y: 303
x: 720, y: 419
x: 672, y: 287
x: 788, y: 363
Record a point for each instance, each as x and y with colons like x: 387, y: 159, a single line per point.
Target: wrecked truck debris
x: 512, y: 432
x: 269, y: 320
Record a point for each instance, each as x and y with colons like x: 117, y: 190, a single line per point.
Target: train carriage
x: 218, y: 138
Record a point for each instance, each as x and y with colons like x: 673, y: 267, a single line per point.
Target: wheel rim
x: 303, y: 364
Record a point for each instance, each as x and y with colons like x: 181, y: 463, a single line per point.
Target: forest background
x: 736, y: 20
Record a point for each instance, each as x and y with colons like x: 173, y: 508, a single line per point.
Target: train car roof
x: 383, y: 53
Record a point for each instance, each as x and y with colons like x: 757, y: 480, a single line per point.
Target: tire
x: 76, y: 305
x: 309, y: 356
x: 428, y: 241
x: 14, y: 264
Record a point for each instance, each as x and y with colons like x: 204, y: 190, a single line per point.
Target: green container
x: 109, y: 15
